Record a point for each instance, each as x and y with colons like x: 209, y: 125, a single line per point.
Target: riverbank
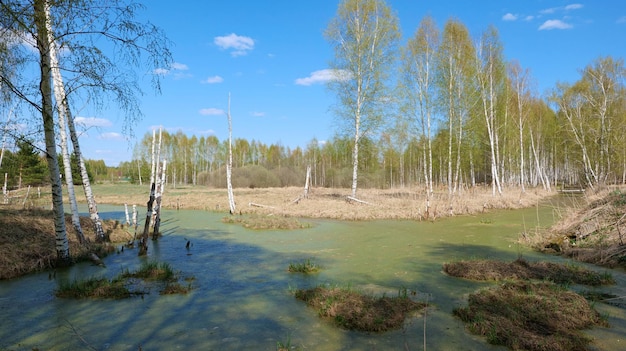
x: 28, y: 240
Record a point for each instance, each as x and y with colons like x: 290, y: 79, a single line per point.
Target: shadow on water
x: 242, y: 300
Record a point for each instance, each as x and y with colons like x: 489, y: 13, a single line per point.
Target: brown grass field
x: 407, y: 203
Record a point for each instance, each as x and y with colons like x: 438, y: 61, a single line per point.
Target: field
x: 333, y: 203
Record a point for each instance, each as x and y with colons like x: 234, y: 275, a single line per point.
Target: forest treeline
x: 573, y: 136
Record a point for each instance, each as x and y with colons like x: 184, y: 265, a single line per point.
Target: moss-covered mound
x: 530, y: 316
x: 352, y: 310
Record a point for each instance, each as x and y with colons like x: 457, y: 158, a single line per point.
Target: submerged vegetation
x: 350, y: 309
x: 125, y: 284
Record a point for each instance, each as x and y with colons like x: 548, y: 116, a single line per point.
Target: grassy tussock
x: 530, y: 316
x: 305, y: 267
x: 121, y: 286
x: 152, y: 271
x: 521, y: 269
x: 257, y: 221
x: 95, y: 288
x: 352, y: 310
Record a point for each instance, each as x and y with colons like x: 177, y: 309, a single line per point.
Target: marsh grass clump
x: 152, y: 271
x: 259, y: 222
x: 127, y: 283
x: 352, y: 310
x: 94, y: 287
x: 305, y: 267
x: 523, y: 269
x: 530, y: 316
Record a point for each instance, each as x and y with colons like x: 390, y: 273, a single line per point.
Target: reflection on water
x: 242, y: 299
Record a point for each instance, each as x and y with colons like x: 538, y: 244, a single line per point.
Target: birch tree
x: 419, y: 59
x: 519, y: 79
x: 63, y: 115
x: 45, y: 86
x: 364, y: 35
x: 456, y: 91
x: 229, y: 164
x: 490, y: 78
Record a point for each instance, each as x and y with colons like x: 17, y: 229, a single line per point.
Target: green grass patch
x: 523, y: 315
x: 94, y: 287
x: 259, y: 222
x: 350, y: 309
x: 122, y: 286
x: 152, y: 271
x: 305, y: 267
x: 522, y: 269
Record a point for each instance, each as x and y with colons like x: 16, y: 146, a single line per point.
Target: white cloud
x: 111, y: 136
x: 573, y: 7
x: 87, y: 122
x: 621, y: 19
x: 529, y: 18
x: 258, y: 114
x: 323, y: 76
x: 211, y: 111
x: 213, y: 80
x: 175, y: 68
x: 548, y: 11
x: 239, y: 45
x: 554, y: 24
x: 179, y: 66
x: 509, y: 17
x: 161, y: 71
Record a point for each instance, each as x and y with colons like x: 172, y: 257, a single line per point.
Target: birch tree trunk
x: 63, y: 111
x: 307, y: 181
x: 45, y: 88
x: 229, y: 165
x: 159, y: 196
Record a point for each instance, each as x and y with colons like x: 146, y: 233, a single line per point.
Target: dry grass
x: 29, y: 241
x: 530, y: 316
x: 406, y: 203
x: 265, y: 221
x: 595, y: 232
x: 521, y: 269
x: 355, y: 311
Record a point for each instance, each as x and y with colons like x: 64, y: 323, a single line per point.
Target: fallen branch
x: 350, y: 198
x: 259, y: 205
x: 297, y: 200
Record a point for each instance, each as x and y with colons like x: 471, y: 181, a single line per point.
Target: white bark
x: 307, y: 181
x: 63, y: 112
x: 229, y: 165
x: 61, y: 242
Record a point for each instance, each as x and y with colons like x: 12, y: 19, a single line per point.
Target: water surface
x: 242, y: 298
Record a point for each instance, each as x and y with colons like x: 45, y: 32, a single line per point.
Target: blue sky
x: 270, y: 55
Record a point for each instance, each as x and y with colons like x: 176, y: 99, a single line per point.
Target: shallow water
x: 242, y: 298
